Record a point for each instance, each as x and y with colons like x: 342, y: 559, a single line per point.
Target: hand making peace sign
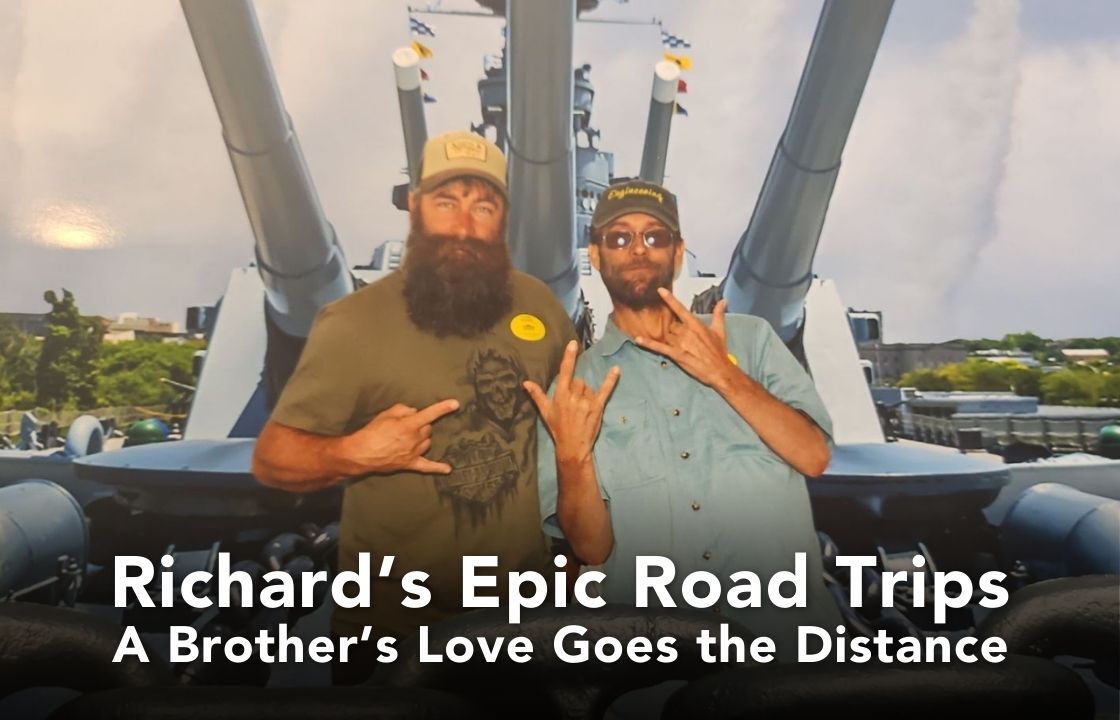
x: 575, y: 412
x: 700, y: 350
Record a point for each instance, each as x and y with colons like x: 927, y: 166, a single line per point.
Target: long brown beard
x: 456, y: 286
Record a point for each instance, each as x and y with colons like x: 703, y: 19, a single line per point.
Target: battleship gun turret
x: 542, y: 229
x: 298, y: 256
x: 772, y: 266
x: 254, y: 345
x: 874, y: 496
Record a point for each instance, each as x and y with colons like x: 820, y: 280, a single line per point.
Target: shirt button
x: 695, y: 506
x: 664, y: 364
x: 707, y: 555
x: 676, y: 412
x: 684, y: 455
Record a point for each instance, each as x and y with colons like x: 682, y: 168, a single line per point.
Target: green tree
x: 1110, y: 390
x: 1050, y: 352
x: 925, y: 379
x: 985, y: 375
x: 64, y: 375
x: 1026, y: 341
x: 1025, y: 381
x: 977, y: 375
x: 129, y: 373
x: 19, y: 355
x: 957, y: 376
x: 1071, y: 387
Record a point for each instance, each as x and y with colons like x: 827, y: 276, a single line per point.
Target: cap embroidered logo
x: 466, y: 148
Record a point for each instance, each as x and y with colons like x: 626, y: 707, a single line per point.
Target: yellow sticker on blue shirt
x: 527, y: 327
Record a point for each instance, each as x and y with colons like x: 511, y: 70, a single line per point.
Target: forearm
x: 582, y: 512
x: 787, y: 431
x: 299, y: 461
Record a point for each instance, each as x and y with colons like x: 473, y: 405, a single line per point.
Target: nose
x: 638, y: 246
x: 464, y: 225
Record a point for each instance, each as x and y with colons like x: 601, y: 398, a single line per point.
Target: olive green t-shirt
x: 364, y: 355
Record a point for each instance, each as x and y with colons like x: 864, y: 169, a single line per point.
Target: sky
x: 977, y: 196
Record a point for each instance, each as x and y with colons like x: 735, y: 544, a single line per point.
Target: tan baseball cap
x: 460, y: 153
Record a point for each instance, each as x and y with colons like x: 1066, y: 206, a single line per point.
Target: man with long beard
x: 403, y: 392
x: 682, y: 436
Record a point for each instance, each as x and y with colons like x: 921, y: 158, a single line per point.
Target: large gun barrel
x: 663, y: 98
x: 541, y: 145
x: 772, y: 266
x: 406, y: 72
x: 298, y: 256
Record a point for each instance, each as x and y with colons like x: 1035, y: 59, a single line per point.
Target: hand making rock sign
x: 575, y: 412
x: 397, y: 438
x: 573, y: 416
x: 700, y: 350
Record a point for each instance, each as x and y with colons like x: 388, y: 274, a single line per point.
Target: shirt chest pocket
x: 627, y: 451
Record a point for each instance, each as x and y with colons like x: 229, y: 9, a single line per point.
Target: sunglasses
x: 659, y: 238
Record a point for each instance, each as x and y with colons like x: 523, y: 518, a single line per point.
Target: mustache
x: 444, y: 246
x: 640, y: 265
x: 469, y: 241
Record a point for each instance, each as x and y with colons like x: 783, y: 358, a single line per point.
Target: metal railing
x: 1058, y: 434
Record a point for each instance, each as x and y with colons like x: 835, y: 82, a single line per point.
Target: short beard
x: 631, y: 294
x: 447, y: 295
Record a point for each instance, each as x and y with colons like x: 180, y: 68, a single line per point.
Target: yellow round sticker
x: 734, y: 360
x: 527, y: 327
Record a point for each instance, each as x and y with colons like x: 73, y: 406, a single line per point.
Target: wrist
x: 572, y: 462
x: 732, y: 381
x: 347, y: 460
x: 727, y: 379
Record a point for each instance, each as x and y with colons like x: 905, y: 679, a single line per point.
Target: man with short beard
x: 402, y: 393
x: 682, y: 436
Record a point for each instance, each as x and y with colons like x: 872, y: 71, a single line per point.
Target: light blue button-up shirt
x: 685, y: 477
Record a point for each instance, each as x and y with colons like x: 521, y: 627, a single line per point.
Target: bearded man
x: 408, y: 390
x: 682, y: 436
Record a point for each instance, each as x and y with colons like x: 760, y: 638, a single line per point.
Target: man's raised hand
x: 397, y: 438
x: 700, y: 350
x: 575, y: 412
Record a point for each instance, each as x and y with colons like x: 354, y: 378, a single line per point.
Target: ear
x: 678, y: 258
x: 413, y: 202
x: 593, y: 255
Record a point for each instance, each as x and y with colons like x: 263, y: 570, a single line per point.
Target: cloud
x: 112, y: 122
x: 112, y: 116
x: 972, y: 200
x: 914, y: 203
x: 1051, y: 266
x: 976, y: 176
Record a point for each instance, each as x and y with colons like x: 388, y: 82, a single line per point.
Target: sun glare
x: 72, y: 227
